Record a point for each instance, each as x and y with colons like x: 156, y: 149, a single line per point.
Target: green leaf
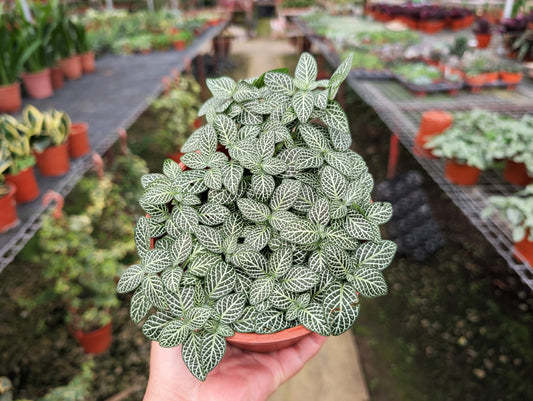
x: 213, y: 178
x: 230, y: 307
x: 319, y: 212
x: 171, y: 278
x: 279, y: 83
x: 339, y: 237
x: 139, y: 306
x: 303, y: 103
x: 191, y: 353
x: 242, y: 148
x: 313, y: 137
x: 281, y: 218
x: 317, y: 261
x: 335, y: 118
x: 155, y: 324
x: 171, y: 169
x: 246, y: 323
x: 379, y: 212
x: 195, y: 160
x: 280, y: 262
x: 370, y: 282
x: 266, y: 145
x: 306, y: 199
x: 362, y: 229
x: 299, y: 279
x: 180, y: 301
x: 220, y: 280
x: 213, y: 214
x: 270, y: 321
x: 196, y: 317
x: 306, y: 69
x: 338, y: 261
x: 253, y: 210
x: 258, y: 236
x: 213, y: 349
x: 313, y: 317
x: 244, y: 91
x: 320, y: 99
x: 210, y: 238
x: 154, y: 291
x: 260, y: 81
x: 253, y: 263
x: 340, y: 161
x: 273, y: 166
x: 147, y: 179
x: 261, y: 289
x: 226, y: 129
x: 130, y: 279
x: 285, y: 195
x: 308, y: 158
x: 231, y: 176
x: 156, y: 260
x: 342, y: 307
x: 185, y: 218
x: 158, y: 192
x: 300, y: 232
x: 333, y: 183
x: 142, y: 236
x: 233, y: 225
x: 262, y: 186
x: 181, y: 248
x: 221, y: 87
x: 202, y: 263
x: 376, y: 256
x: 340, y: 140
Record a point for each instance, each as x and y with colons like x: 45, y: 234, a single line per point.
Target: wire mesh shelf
x: 113, y: 97
x: 401, y: 111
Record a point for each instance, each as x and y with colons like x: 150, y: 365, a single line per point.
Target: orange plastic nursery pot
x: 511, y: 78
x: 460, y: 174
x: 95, y: 342
x: 78, y: 140
x: 10, y: 98
x: 433, y: 122
x: 179, y: 45
x: 87, y: 62
x: 491, y: 77
x: 268, y: 342
x: 26, y: 184
x: 71, y: 67
x: 516, y: 173
x: 523, y: 250
x: 57, y: 78
x: 38, y: 84
x: 53, y: 161
x: 483, y: 40
x: 8, y: 210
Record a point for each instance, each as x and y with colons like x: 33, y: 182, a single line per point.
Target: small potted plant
x: 70, y: 62
x: 181, y: 39
x: 511, y: 74
x: 463, y: 145
x: 8, y: 205
x: 49, y: 141
x: 84, y: 48
x: 269, y: 229
x: 480, y: 69
x: 517, y: 210
x: 482, y: 32
x: 20, y: 173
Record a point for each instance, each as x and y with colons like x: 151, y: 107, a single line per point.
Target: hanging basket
x: 26, y: 184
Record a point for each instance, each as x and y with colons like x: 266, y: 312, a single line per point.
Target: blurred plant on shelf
x: 5, y: 163
x: 176, y: 111
x: 17, y: 137
x: 418, y: 73
x: 50, y: 128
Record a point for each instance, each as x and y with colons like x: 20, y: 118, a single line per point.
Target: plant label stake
x: 53, y: 196
x: 98, y: 165
x: 123, y: 137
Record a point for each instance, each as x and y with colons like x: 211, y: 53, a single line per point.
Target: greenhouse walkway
x: 335, y: 373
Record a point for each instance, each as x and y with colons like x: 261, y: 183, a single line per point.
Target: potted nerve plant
x: 20, y: 173
x: 8, y: 206
x: 14, y: 55
x: 50, y: 132
x: 270, y: 228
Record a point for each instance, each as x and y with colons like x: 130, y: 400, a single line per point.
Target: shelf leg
x: 394, y: 150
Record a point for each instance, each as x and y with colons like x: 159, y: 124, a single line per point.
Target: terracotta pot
x: 38, y: 84
x: 516, y: 173
x: 177, y: 158
x: 10, y: 98
x: 8, y: 210
x: 524, y: 250
x: 461, y: 174
x: 78, y: 140
x: 511, y: 78
x: 198, y: 122
x: 95, y: 342
x: 57, y: 78
x: 432, y: 27
x: 491, y: 77
x: 87, y: 62
x: 180, y: 45
x: 53, y: 161
x: 71, y: 67
x: 268, y: 342
x: 433, y: 122
x: 475, y: 82
x: 26, y: 184
x: 483, y: 40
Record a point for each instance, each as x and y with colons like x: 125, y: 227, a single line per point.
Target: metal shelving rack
x: 401, y: 112
x: 113, y: 97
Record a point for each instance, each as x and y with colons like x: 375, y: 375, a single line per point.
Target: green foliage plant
x: 5, y: 163
x: 176, y: 111
x: 418, y: 73
x: 281, y: 233
x: 17, y: 137
x: 516, y: 209
x: 479, y: 62
x: 50, y: 128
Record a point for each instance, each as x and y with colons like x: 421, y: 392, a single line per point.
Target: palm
x: 241, y: 375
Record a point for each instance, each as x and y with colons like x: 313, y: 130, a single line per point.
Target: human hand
x: 240, y: 375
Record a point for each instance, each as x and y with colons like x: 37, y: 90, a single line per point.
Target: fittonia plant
x: 270, y: 226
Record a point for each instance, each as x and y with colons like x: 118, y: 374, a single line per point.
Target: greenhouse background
x: 437, y: 100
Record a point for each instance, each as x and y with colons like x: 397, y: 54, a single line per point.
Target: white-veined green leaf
x: 230, y: 307
x: 156, y: 260
x: 200, y: 264
x: 285, y: 195
x: 262, y: 186
x: 158, y: 192
x: 181, y: 248
x: 142, y: 236
x: 335, y: 118
x: 185, y: 217
x: 369, y: 282
x: 340, y: 161
x: 320, y: 99
x: 233, y: 225
x: 212, y: 214
x: 299, y: 279
x: 266, y: 145
x: 270, y: 321
x: 317, y: 261
x: 341, y: 140
x: 306, y: 69
x: 362, y: 229
x: 303, y: 103
x: 306, y: 199
x: 280, y: 262
x: 130, y: 279
x: 139, y: 307
x: 341, y: 306
x: 220, y: 280
x: 181, y: 300
x: 210, y: 238
x: 155, y: 324
x: 196, y: 316
x: 242, y: 148
x: 379, y: 212
x: 253, y: 210
x: 313, y: 317
x: 377, y: 256
x: 319, y: 212
x: 279, y: 83
x: 213, y: 178
x: 273, y: 166
x: 171, y: 169
x: 191, y: 353
x: 246, y: 323
x: 231, y: 176
x: 221, y: 87
x: 308, y: 158
x: 244, y: 91
x: 281, y: 218
x: 261, y: 289
x: 333, y: 183
x: 195, y: 160
x: 300, y: 232
x: 154, y: 291
x: 213, y: 349
x: 147, y: 179
x: 313, y: 137
x: 339, y: 237
x: 338, y: 261
x: 253, y: 263
x: 258, y: 236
